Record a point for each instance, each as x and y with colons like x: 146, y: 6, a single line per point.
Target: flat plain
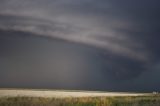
x: 61, y: 93
x: 37, y: 97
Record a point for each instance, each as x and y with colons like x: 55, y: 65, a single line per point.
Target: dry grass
x: 82, y: 101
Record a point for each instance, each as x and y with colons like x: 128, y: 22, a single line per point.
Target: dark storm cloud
x: 75, y: 21
x: 114, y: 42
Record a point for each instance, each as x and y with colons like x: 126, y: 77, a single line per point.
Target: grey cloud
x: 86, y: 26
x: 124, y: 34
x: 51, y: 63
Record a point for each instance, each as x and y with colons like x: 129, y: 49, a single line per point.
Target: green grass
x: 85, y: 101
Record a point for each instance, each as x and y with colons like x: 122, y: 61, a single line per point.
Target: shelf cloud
x: 118, y: 39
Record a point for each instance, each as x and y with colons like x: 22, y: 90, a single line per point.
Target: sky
x: 108, y: 45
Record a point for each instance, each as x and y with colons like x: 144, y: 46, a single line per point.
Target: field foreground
x: 75, y: 98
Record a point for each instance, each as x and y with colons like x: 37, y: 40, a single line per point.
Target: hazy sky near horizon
x: 80, y: 44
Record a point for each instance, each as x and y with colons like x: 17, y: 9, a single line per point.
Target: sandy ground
x: 59, y: 94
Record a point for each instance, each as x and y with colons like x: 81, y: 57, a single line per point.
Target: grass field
x: 82, y: 101
x: 118, y: 99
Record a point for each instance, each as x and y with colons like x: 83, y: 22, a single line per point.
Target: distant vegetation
x: 84, y: 101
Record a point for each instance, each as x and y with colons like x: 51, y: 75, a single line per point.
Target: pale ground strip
x: 61, y: 94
